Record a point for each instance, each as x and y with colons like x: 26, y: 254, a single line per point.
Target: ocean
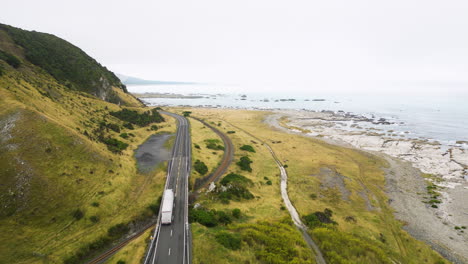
x: 436, y: 118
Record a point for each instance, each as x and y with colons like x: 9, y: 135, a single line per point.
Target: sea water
x: 439, y: 118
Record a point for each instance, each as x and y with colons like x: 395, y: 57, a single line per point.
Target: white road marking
x: 171, y: 232
x: 169, y: 251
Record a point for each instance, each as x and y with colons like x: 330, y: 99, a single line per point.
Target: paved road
x: 172, y: 243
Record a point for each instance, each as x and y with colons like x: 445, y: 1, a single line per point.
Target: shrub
x: 269, y: 182
x: 200, y: 167
x: 154, y: 127
x: 318, y: 218
x: 118, y: 230
x: 235, y: 178
x: 228, y: 240
x: 197, y: 146
x: 231, y: 132
x: 115, y: 145
x: 186, y: 113
x: 121, y: 262
x: 136, y: 118
x: 129, y: 126
x: 124, y: 135
x: 204, y: 217
x: 247, y: 148
x: 113, y: 127
x: 244, y: 163
x: 223, y: 218
x: 10, y: 59
x: 236, y: 213
x: 94, y: 218
x: 78, y: 214
x: 214, y: 144
x: 95, y: 204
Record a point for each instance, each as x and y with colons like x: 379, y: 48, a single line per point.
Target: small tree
x: 244, y: 163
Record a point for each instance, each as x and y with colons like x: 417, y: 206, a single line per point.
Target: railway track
x: 101, y: 258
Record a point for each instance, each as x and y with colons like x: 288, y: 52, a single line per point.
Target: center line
x: 171, y: 232
x: 169, y: 251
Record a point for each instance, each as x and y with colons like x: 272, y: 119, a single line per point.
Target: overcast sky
x: 330, y: 44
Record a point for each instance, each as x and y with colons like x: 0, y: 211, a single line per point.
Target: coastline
x: 443, y: 166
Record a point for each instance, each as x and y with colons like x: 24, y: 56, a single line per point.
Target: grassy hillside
x: 339, y: 192
x: 68, y: 64
x: 69, y: 184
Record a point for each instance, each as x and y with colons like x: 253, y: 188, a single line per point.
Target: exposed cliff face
x: 68, y: 64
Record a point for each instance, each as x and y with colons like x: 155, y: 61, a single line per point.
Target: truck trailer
x: 168, y: 203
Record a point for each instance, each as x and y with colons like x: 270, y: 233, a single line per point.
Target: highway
x: 171, y: 244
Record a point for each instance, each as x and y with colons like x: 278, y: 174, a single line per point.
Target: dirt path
x: 284, y: 194
x: 406, y: 189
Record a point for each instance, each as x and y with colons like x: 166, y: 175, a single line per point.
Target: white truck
x: 168, y: 202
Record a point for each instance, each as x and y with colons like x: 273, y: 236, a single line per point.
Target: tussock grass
x: 53, y: 169
x: 364, y: 216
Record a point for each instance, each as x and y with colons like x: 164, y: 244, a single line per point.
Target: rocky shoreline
x: 431, y: 203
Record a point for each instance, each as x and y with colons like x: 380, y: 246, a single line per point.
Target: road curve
x: 171, y: 244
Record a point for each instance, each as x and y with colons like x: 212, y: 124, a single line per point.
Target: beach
x: 438, y: 217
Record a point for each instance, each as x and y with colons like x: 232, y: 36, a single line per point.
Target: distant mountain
x: 129, y: 80
x: 68, y: 64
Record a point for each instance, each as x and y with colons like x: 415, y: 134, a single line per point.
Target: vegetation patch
x: 237, y: 179
x: 115, y: 145
x: 200, y: 167
x: 244, y: 163
x: 214, y: 144
x: 10, y: 59
x: 135, y: 118
x: 248, y: 148
x: 228, y: 240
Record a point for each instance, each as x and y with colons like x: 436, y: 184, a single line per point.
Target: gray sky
x: 308, y: 44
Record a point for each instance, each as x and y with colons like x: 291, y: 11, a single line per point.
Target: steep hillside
x: 68, y: 64
x: 68, y: 179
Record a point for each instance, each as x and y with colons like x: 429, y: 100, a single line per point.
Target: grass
x: 264, y: 207
x: 133, y: 252
x: 200, y: 134
x: 53, y: 169
x: 363, y: 177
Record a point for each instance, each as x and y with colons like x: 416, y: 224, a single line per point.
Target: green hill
x: 68, y: 179
x: 68, y: 64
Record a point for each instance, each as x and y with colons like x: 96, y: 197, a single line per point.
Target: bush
x: 223, y: 218
x: 95, y: 204
x: 231, y: 132
x: 214, y: 144
x: 113, y: 127
x: 197, y: 146
x: 318, y: 218
x: 244, y: 163
x: 204, y: 217
x: 115, y: 145
x: 200, y: 167
x: 247, y: 148
x: 136, y: 118
x: 129, y: 126
x: 269, y: 182
x: 78, y: 214
x: 236, y: 213
x: 228, y: 240
x: 235, y: 178
x: 94, y: 218
x: 10, y: 59
x: 186, y: 113
x: 154, y: 127
x: 124, y: 135
x: 118, y: 230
